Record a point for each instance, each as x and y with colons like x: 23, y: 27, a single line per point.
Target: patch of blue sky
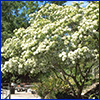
x: 82, y: 5
x: 85, y: 4
x: 66, y: 34
x: 68, y: 3
x: 41, y: 3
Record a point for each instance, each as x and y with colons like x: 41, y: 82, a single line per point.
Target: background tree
x: 58, y: 2
x: 54, y: 2
x: 10, y: 19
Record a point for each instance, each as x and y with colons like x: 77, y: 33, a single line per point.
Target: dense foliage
x: 62, y: 39
x: 49, y: 86
x: 11, y: 18
x: 14, y: 14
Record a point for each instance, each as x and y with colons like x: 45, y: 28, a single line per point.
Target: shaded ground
x: 4, y: 93
x: 24, y: 95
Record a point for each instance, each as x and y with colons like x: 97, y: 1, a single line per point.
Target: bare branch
x: 81, y: 72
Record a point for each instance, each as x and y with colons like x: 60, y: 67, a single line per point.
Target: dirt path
x: 24, y: 95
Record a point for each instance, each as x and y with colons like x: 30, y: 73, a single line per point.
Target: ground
x: 24, y: 95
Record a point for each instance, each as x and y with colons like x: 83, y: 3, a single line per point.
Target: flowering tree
x: 62, y: 39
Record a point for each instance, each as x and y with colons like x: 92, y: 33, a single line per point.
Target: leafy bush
x: 49, y: 87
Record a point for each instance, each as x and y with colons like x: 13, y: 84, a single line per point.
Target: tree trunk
x: 79, y: 96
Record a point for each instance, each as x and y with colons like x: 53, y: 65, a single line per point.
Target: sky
x: 83, y: 5
x: 70, y: 2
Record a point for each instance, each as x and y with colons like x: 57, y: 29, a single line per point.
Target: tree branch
x: 70, y: 85
x: 75, y: 77
x: 81, y: 71
x: 65, y: 72
x: 57, y: 75
x: 78, y: 85
x: 76, y: 70
x: 66, y: 80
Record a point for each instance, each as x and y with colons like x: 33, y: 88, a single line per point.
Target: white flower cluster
x: 63, y: 55
x: 26, y: 54
x: 54, y: 37
x: 76, y: 17
x: 44, y: 46
x: 75, y: 36
x: 19, y: 31
x: 78, y: 53
x: 28, y: 44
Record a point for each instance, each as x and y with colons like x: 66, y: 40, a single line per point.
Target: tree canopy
x: 14, y: 14
x: 62, y: 39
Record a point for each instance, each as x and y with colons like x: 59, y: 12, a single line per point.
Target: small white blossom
x: 73, y: 62
x: 63, y: 53
x: 80, y: 36
x: 60, y: 55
